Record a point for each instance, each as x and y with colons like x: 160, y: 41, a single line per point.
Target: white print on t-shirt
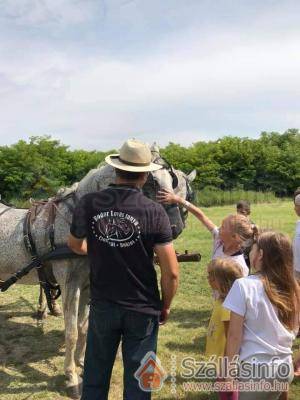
x: 116, y: 228
x: 296, y: 248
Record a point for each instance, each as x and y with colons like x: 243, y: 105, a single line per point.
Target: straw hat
x: 134, y: 156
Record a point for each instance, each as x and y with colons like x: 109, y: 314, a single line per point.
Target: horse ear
x: 192, y: 175
x: 154, y: 148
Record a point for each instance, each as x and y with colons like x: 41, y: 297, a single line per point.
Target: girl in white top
x: 235, y: 233
x: 296, y: 243
x: 265, y: 313
x: 296, y: 253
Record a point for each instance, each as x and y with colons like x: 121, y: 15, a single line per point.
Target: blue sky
x: 95, y: 72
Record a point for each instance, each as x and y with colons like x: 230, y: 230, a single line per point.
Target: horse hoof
x: 74, y: 392
x: 56, y: 310
x: 40, y: 315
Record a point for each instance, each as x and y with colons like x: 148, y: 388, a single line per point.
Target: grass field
x: 32, y: 356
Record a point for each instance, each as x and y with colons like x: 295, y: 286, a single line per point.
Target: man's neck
x: 135, y: 184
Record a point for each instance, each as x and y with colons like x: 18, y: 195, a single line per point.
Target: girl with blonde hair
x: 221, y: 274
x: 229, y: 241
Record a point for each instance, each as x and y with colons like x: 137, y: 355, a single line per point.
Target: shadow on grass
x: 20, y: 308
x: 196, y: 347
x: 190, y: 318
x: 23, y: 344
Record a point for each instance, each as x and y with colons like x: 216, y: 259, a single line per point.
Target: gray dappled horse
x: 73, y: 274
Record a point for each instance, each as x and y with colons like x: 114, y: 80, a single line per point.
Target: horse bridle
x: 166, y: 165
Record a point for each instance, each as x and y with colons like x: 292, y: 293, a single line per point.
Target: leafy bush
x: 39, y: 168
x: 270, y: 163
x: 232, y: 166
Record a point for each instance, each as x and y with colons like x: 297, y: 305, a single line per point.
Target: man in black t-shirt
x: 119, y: 228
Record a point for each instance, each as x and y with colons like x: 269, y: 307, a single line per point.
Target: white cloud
x: 212, y: 81
x: 231, y: 73
x: 37, y: 12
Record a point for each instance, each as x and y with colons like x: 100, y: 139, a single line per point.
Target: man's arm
x: 78, y: 229
x: 79, y: 246
x: 169, y: 276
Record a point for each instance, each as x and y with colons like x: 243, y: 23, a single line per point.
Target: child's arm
x: 284, y: 396
x: 226, y: 328
x: 235, y: 335
x: 297, y: 364
x: 164, y: 196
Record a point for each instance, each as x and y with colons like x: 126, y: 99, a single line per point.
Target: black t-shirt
x: 122, y: 226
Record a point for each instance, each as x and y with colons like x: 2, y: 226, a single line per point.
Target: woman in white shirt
x: 265, y: 317
x: 296, y: 253
x: 296, y: 243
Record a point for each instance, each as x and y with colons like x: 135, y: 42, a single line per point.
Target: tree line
x: 271, y: 163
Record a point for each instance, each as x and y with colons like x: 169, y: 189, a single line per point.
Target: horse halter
x: 166, y: 165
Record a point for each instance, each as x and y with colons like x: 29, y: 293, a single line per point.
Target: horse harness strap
x: 45, y: 274
x: 28, y: 240
x: 52, y: 214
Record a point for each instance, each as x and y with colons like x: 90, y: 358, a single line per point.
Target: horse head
x: 165, y: 178
x: 174, y: 181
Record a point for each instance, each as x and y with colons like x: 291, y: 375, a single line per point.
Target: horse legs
x: 82, y: 324
x: 56, y: 310
x: 70, y: 297
x: 42, y: 305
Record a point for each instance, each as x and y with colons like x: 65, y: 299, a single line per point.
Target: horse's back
x: 13, y: 254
